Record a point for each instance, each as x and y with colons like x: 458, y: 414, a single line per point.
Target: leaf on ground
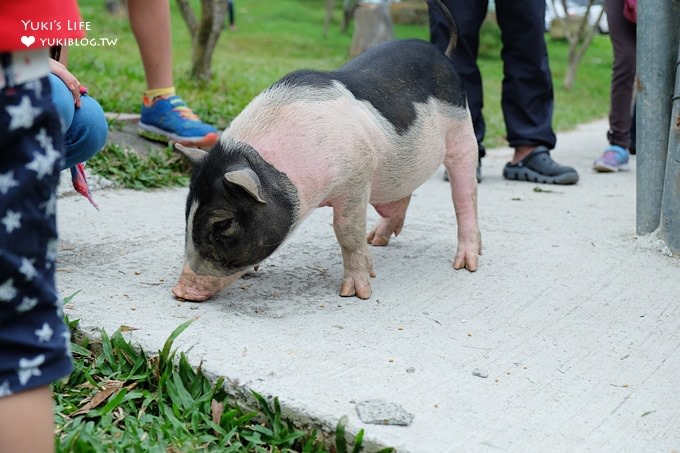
x: 85, y: 385
x: 110, y: 387
x: 124, y: 328
x: 541, y: 190
x: 68, y: 299
x: 216, y: 410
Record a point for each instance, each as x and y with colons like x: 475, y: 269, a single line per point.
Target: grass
x: 135, y: 171
x: 120, y: 399
x: 274, y: 38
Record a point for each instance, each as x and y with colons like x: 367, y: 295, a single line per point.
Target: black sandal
x: 541, y: 168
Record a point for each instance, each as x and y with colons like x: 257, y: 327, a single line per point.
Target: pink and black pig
x: 369, y: 132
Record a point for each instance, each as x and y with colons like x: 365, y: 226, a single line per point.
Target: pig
x: 370, y: 132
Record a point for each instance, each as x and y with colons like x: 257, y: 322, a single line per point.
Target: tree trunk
x: 116, y: 7
x: 189, y: 17
x: 204, y: 33
x: 576, y: 53
x: 373, y: 25
x: 348, y: 9
x: 330, y: 5
x: 579, y: 38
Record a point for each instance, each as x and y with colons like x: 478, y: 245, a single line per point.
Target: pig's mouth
x: 197, y: 288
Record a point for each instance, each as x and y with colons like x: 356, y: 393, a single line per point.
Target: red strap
x: 79, y: 180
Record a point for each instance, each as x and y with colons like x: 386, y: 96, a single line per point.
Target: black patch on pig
x: 393, y: 76
x: 248, y: 231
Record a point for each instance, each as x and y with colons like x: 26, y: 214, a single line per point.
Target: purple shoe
x: 614, y: 158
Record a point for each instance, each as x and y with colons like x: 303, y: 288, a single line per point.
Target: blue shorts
x: 34, y: 340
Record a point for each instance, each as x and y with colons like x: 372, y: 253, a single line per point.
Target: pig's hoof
x: 351, y: 287
x: 382, y: 233
x: 378, y: 240
x: 468, y: 261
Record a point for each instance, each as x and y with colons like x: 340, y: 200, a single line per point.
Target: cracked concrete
x: 574, y: 318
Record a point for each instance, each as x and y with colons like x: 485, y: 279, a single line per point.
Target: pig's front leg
x: 349, y: 224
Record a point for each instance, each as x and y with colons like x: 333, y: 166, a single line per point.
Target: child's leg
x: 34, y: 341
x: 26, y: 422
x: 85, y: 128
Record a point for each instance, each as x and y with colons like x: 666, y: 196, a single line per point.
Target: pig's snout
x: 198, y: 288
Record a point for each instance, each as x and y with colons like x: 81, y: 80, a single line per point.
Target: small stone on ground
x: 380, y: 412
x: 480, y: 373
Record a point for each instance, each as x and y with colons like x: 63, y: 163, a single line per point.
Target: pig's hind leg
x: 461, y: 164
x: 391, y: 222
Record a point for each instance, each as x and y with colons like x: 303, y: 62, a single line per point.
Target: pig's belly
x: 406, y: 161
x: 401, y: 173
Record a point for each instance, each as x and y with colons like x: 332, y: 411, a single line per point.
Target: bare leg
x: 173, y: 120
x: 150, y: 23
x: 26, y: 422
x: 521, y: 152
x: 392, y: 221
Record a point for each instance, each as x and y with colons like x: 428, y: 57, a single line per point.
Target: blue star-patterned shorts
x: 34, y: 341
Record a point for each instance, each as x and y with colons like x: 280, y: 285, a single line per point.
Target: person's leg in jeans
x: 85, y: 128
x: 527, y: 98
x: 622, y: 35
x: 527, y: 92
x: 231, y: 15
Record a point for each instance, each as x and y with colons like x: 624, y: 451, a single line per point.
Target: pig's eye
x: 224, y: 228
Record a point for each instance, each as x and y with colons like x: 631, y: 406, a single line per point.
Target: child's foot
x: 169, y: 118
x: 614, y: 158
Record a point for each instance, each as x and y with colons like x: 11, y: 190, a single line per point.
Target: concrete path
x: 566, y: 339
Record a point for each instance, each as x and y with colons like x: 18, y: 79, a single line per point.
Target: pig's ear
x: 195, y: 155
x: 248, y: 180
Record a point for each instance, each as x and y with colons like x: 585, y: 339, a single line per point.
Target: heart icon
x: 27, y: 40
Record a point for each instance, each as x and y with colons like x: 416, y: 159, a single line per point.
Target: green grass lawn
x: 119, y: 399
x: 274, y: 38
